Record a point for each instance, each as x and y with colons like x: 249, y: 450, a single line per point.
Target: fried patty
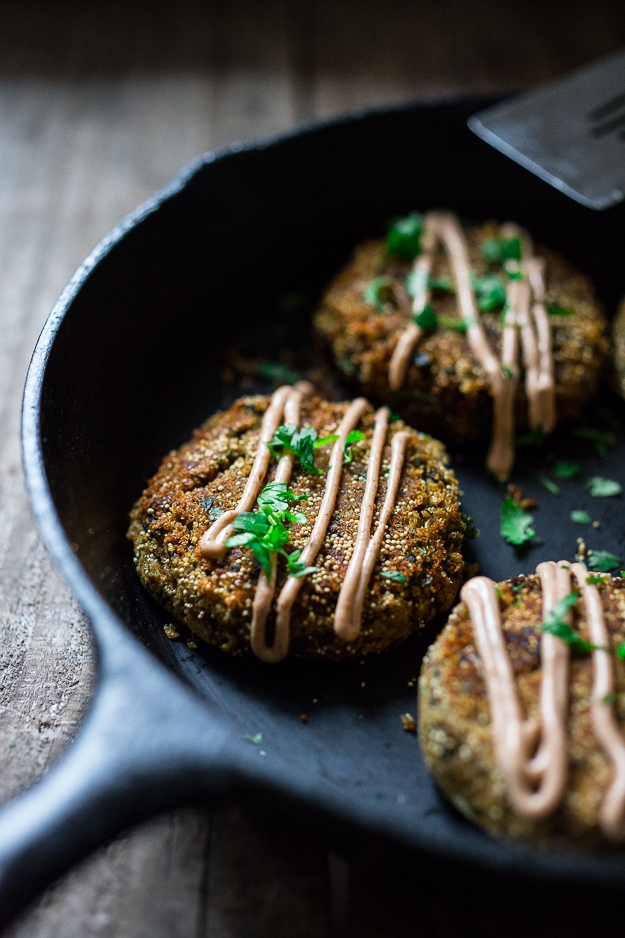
x: 206, y: 476
x: 455, y: 720
x: 446, y: 389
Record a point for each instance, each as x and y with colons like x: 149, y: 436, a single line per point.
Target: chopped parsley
x: 499, y: 250
x: 490, y: 291
x: 533, y: 438
x: 516, y: 523
x: 426, y: 319
x: 566, y: 469
x: 595, y: 580
x: 257, y: 738
x: 404, y: 236
x: 599, y: 487
x: 554, y: 309
x: 460, y: 325
x: 394, y: 575
x: 295, y: 567
x: 507, y: 372
x: 274, y: 371
x: 470, y: 531
x: 580, y: 517
x: 602, y: 440
x: 380, y: 294
x: 602, y: 561
x: 555, y: 624
x: 547, y: 483
x: 354, y: 436
x: 264, y: 531
x: 304, y: 442
x: 418, y: 281
x: 620, y: 650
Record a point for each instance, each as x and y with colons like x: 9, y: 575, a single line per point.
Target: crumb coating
x: 446, y: 389
x: 455, y: 721
x: 206, y: 476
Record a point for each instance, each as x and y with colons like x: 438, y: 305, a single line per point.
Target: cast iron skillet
x: 128, y: 363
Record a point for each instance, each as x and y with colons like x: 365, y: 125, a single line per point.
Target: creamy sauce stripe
x: 285, y: 404
x: 526, y: 313
x: 532, y: 754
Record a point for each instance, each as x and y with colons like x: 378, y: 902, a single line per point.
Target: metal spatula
x: 570, y: 132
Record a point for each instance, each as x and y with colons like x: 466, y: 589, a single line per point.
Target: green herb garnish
x: 507, y: 372
x: 444, y: 284
x: 274, y: 371
x: 498, y: 250
x: 601, y: 439
x: 257, y: 739
x: 295, y: 567
x: 516, y: 523
x: 599, y: 487
x: 460, y: 325
x: 580, y: 517
x: 547, y: 483
x: 595, y: 580
x: 300, y: 442
x: 426, y: 319
x: 566, y: 469
x: 354, y: 436
x: 533, y: 438
x: 404, y: 236
x: 603, y: 561
x: 490, y: 291
x: 380, y: 294
x: 394, y: 575
x: 554, y: 309
x: 470, y: 531
x: 264, y: 531
x: 620, y: 650
x: 555, y: 624
x: 275, y: 498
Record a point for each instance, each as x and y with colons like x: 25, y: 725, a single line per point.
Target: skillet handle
x: 147, y: 744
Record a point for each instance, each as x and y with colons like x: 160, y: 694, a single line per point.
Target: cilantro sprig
x: 404, y: 236
x: 490, y: 291
x: 303, y: 443
x: 265, y: 531
x: 555, y: 624
x: 602, y: 561
x: 516, y: 523
x: 499, y: 250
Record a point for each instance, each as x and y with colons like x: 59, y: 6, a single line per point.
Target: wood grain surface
x: 100, y: 103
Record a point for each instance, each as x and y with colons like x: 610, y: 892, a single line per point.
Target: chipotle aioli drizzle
x: 532, y: 754
x: 525, y: 313
x: 285, y: 403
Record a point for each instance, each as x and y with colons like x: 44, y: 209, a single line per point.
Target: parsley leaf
x: 427, y: 318
x: 546, y: 482
x: 498, y: 250
x: 554, y: 309
x: 620, y: 650
x: 490, y: 291
x: 380, y: 294
x: 516, y: 523
x: 555, y: 624
x: 295, y: 567
x: 354, y: 436
x: 404, y: 236
x: 595, y: 580
x: 602, y: 439
x: 257, y: 738
x: 394, y: 575
x: 301, y: 442
x: 603, y: 488
x: 275, y: 497
x: 566, y: 469
x: 603, y: 561
x: 507, y: 372
x: 580, y: 517
x: 461, y: 325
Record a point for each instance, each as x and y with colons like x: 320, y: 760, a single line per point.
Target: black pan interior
x: 137, y: 363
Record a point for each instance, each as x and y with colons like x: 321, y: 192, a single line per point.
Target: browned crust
x: 446, y: 391
x: 455, y: 724
x: 214, y: 598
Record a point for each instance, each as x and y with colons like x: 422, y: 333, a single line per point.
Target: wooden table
x: 100, y: 103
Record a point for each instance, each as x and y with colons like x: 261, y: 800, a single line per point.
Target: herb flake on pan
x: 380, y: 294
x: 602, y: 440
x: 598, y: 487
x: 257, y: 738
x: 490, y: 291
x: 404, y: 236
x: 394, y: 575
x: 548, y: 483
x: 566, y: 469
x: 602, y: 561
x: 516, y: 523
x: 499, y: 250
x: 275, y: 371
x: 580, y: 517
x: 554, y: 309
x: 427, y: 318
x: 555, y: 624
